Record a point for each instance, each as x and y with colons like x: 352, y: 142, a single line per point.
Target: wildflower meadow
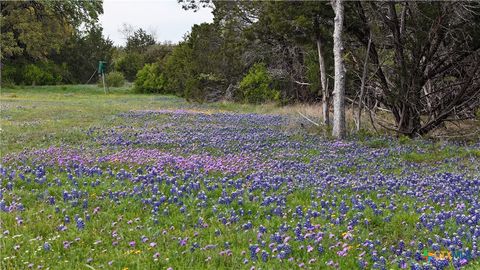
x: 164, y: 184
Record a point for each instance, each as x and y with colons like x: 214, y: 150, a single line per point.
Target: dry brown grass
x: 384, y: 122
x: 314, y: 113
x: 459, y: 130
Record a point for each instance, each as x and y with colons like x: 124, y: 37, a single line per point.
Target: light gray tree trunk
x: 362, y: 87
x: 339, y: 126
x: 323, y: 82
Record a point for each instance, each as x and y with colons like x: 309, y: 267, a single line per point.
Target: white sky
x: 164, y: 18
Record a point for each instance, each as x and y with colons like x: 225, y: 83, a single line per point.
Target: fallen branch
x: 308, y: 119
x: 302, y: 83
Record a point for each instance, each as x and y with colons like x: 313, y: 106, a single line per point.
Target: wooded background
x: 419, y: 61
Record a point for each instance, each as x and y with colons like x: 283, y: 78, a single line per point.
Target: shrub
x: 150, y: 79
x: 256, y: 86
x: 205, y: 87
x: 40, y: 73
x: 8, y: 75
x: 403, y: 140
x: 113, y: 79
x: 129, y: 64
x: 35, y: 75
x: 378, y: 143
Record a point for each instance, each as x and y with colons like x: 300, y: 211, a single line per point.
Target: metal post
x: 101, y: 70
x: 103, y: 79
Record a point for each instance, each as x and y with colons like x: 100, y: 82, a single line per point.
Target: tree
x: 139, y: 41
x: 339, y: 129
x: 428, y: 71
x: 195, y: 67
x: 24, y: 24
x: 140, y: 49
x: 323, y: 75
x: 420, y: 58
x: 129, y: 63
x: 178, y: 69
x: 362, y: 87
x: 40, y: 40
x: 81, y: 53
x: 285, y: 36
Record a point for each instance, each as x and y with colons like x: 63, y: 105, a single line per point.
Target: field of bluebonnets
x: 123, y: 181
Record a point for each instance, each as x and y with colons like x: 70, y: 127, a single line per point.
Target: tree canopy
x: 32, y: 29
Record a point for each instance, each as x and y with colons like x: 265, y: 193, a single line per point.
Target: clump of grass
x: 403, y: 140
x: 377, y: 143
x: 436, y: 155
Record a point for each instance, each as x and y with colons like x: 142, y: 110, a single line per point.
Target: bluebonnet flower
x: 80, y: 224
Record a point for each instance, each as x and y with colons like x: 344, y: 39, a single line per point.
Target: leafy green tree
x: 129, y: 63
x: 178, y: 69
x: 150, y: 79
x: 257, y: 86
x: 24, y: 25
x: 81, y: 54
x: 141, y: 48
x: 194, y: 68
x: 139, y: 41
x: 113, y: 79
x: 42, y: 41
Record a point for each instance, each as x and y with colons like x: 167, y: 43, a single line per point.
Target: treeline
x: 51, y: 42
x: 419, y: 61
x: 45, y: 43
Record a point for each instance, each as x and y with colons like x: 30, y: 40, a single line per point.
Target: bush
x: 113, y: 79
x: 178, y: 69
x: 403, y: 140
x: 256, y: 86
x: 205, y: 87
x: 129, y: 64
x: 40, y: 75
x: 8, y: 75
x: 150, y: 79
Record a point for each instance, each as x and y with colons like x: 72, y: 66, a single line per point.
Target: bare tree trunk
x: 339, y: 127
x: 323, y: 82
x: 362, y: 87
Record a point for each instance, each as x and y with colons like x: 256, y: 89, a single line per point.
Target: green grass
x: 440, y: 154
x: 52, y: 115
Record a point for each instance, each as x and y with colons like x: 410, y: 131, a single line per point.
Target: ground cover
x: 145, y: 181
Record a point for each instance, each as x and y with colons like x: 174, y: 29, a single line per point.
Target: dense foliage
x: 31, y: 29
x: 150, y: 79
x: 422, y: 84
x: 417, y: 61
x: 45, y: 42
x: 257, y: 86
x: 113, y: 79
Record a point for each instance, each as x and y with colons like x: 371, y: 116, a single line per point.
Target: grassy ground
x: 395, y: 181
x: 51, y: 115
